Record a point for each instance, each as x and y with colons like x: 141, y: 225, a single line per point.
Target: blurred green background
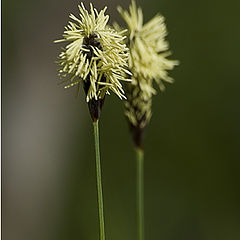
x: 192, y: 145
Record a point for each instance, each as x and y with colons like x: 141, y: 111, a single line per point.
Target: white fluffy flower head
x: 95, y: 55
x: 148, y: 62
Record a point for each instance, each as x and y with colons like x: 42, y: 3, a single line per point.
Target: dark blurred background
x: 191, y: 145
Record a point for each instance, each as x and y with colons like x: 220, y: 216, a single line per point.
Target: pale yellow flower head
x: 147, y: 62
x: 95, y: 55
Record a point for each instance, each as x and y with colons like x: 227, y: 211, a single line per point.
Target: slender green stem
x: 99, y: 182
x: 140, y: 193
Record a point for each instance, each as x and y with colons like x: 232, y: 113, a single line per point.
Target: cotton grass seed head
x: 95, y: 54
x: 148, y: 63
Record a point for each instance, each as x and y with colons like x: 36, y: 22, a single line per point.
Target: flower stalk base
x: 99, y: 182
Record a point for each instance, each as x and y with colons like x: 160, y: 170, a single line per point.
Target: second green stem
x: 140, y: 193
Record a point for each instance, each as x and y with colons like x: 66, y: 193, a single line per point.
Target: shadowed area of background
x: 192, y: 143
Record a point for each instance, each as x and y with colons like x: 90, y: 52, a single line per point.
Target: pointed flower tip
x: 119, y: 9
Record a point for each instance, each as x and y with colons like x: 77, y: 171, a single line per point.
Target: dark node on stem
x: 138, y: 132
x: 137, y: 135
x: 95, y: 106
